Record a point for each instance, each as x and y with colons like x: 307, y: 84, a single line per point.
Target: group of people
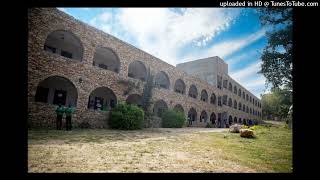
x: 60, y: 112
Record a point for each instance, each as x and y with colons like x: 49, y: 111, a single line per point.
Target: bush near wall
x: 173, y: 119
x: 126, y: 117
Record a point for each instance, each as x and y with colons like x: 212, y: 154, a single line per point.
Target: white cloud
x: 252, y: 69
x: 162, y: 32
x: 227, y: 48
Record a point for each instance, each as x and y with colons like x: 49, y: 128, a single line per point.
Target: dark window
x: 42, y: 94
x: 103, y: 66
x: 66, y: 54
x: 60, y: 97
x: 50, y: 49
x: 224, y: 100
x: 219, y: 101
x: 225, y: 83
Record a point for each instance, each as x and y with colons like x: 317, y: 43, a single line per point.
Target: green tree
x: 276, y: 103
x: 277, y: 55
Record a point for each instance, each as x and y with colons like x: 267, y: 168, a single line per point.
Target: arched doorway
x: 230, y: 120
x: 203, y: 116
x: 102, y: 98
x: 159, y: 107
x: 178, y: 107
x: 213, y: 118
x: 235, y: 120
x: 192, y: 116
x: 57, y: 90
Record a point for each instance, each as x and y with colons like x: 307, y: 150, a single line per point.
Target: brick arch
x: 106, y: 58
x: 137, y: 70
x: 54, y: 43
x: 49, y: 88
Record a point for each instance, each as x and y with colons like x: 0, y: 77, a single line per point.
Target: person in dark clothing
x: 59, y: 111
x: 69, y: 110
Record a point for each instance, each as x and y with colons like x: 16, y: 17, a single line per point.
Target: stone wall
x: 43, y: 64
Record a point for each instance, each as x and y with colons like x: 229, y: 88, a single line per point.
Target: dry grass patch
x: 155, y: 150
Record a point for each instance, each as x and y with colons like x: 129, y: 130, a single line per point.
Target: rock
x: 247, y: 133
x: 235, y: 128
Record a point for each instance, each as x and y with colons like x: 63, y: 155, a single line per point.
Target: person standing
x: 60, y: 112
x: 69, y: 111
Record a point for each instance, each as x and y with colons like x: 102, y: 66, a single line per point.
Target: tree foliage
x: 277, y: 55
x: 277, y: 103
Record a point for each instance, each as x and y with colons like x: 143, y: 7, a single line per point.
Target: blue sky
x: 178, y: 35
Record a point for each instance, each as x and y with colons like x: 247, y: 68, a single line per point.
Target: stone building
x: 72, y: 63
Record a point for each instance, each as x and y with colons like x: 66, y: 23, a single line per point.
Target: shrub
x: 127, y: 117
x: 173, y: 119
x: 209, y: 125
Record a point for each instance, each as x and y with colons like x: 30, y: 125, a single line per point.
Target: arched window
x: 230, y: 86
x: 65, y: 44
x: 159, y: 108
x: 134, y: 99
x: 230, y: 102
x: 203, y: 116
x: 243, y: 95
x: 235, y: 120
x: 204, y: 96
x: 178, y: 107
x: 247, y: 110
x: 240, y: 121
x: 235, y: 104
x: 137, y: 70
x: 213, y: 118
x: 57, y: 90
x: 240, y: 105
x: 213, y: 99
x: 235, y: 89
x: 193, y: 92
x: 230, y: 120
x: 247, y: 97
x: 239, y: 92
x: 250, y: 99
x: 224, y: 99
x: 106, y: 58
x: 179, y: 86
x: 102, y: 98
x: 162, y: 80
x: 243, y: 108
x: 192, y: 114
x: 250, y: 111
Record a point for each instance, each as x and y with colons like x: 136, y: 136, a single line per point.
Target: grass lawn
x: 160, y: 150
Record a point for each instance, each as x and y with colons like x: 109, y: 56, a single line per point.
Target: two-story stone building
x: 72, y: 63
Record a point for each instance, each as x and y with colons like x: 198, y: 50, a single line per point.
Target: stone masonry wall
x: 42, y: 64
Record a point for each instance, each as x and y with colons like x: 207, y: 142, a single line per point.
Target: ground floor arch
x: 159, y: 107
x: 57, y: 90
x: 203, y: 116
x: 235, y: 120
x: 192, y: 115
x: 179, y: 107
x: 213, y: 118
x: 230, y: 120
x: 102, y: 98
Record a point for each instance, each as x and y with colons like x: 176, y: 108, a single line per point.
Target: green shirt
x: 60, y: 110
x: 69, y: 111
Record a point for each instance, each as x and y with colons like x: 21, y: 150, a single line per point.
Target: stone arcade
x: 70, y: 62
